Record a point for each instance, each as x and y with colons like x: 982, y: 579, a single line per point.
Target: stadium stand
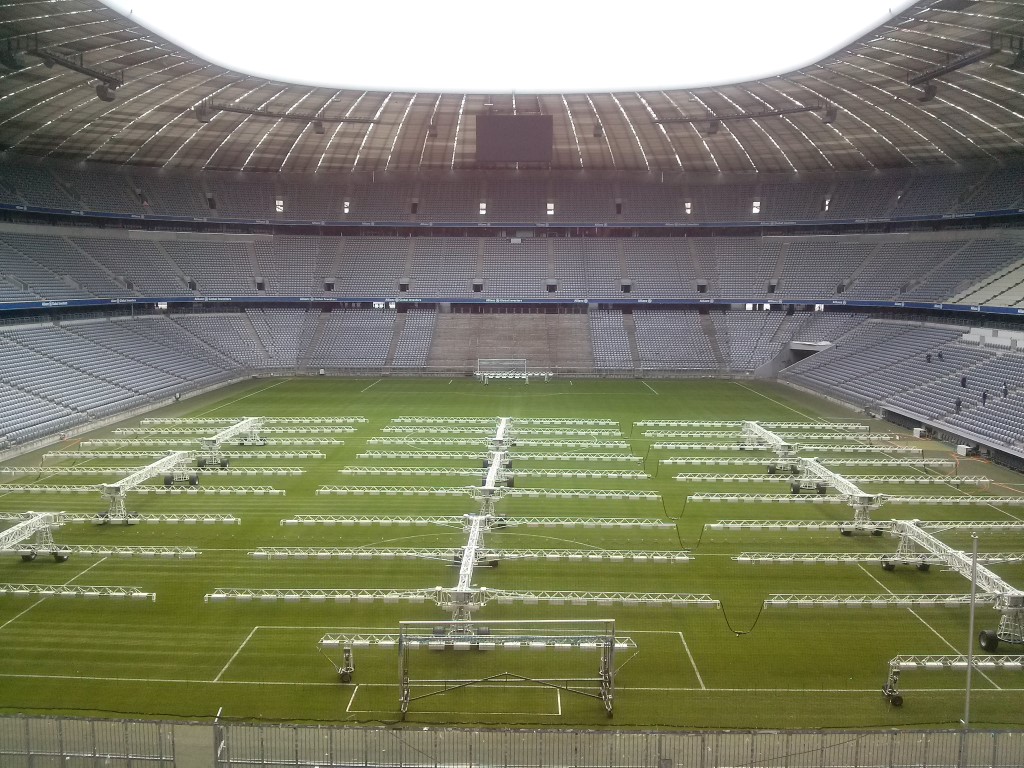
x: 456, y: 197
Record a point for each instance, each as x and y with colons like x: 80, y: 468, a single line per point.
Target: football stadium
x: 606, y: 427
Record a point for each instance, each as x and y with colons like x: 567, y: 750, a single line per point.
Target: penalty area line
x: 920, y: 618
x: 693, y: 663
x: 42, y: 600
x: 650, y: 387
x: 378, y: 381
x: 235, y: 655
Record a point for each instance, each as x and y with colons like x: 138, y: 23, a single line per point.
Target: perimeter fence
x: 35, y: 742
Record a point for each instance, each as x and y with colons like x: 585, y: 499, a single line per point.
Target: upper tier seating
x: 510, y: 197
x: 983, y: 267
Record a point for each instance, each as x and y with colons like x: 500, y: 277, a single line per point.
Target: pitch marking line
x: 773, y: 400
x: 235, y: 655
x: 693, y: 663
x: 352, y: 698
x: 378, y: 381
x: 44, y: 599
x: 618, y: 688
x: 558, y: 702
x: 918, y: 617
x: 264, y: 389
x: 650, y: 387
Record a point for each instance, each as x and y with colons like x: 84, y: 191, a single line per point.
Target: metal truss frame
x: 59, y: 455
x: 900, y: 664
x: 75, y: 590
x: 266, y: 420
x: 33, y: 534
x: 864, y: 557
x: 116, y: 492
x: 919, y: 547
x: 877, y: 600
x: 453, y: 555
x: 441, y: 595
x: 773, y: 525
x: 219, y: 490
x: 40, y: 488
x: 459, y: 521
x: 142, y: 551
x: 785, y: 498
x: 807, y: 425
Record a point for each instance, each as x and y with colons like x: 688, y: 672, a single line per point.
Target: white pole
x: 970, y: 639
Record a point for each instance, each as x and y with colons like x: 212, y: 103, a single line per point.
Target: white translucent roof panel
x: 532, y: 46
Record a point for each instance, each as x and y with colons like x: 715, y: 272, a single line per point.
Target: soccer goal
x: 488, y: 368
x: 454, y: 656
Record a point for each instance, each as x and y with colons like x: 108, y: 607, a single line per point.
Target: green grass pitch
x: 741, y: 666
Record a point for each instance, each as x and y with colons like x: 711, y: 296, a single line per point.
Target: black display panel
x: 514, y: 139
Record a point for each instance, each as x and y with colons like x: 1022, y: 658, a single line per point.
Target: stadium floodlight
x: 105, y: 93
x: 109, y: 82
x: 716, y: 119
x: 928, y: 92
x: 205, y: 109
x: 951, y: 65
x: 11, y: 58
x: 1018, y: 61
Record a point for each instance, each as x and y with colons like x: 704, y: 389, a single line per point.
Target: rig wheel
x: 345, y: 676
x: 888, y: 565
x: 28, y: 557
x: 924, y: 567
x: 895, y: 699
x: 877, y: 532
x: 988, y: 640
x: 845, y: 532
x: 60, y: 557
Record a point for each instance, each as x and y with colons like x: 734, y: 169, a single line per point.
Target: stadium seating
x: 929, y: 372
x: 453, y: 198
x: 983, y: 268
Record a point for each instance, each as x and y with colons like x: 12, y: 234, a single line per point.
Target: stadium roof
x: 964, y: 56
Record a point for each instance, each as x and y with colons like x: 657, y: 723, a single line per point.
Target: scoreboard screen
x: 514, y: 138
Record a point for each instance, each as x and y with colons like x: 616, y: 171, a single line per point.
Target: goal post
x: 488, y: 368
x: 513, y: 662
x: 495, y: 366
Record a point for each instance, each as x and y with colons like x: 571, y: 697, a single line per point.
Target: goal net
x: 501, y: 367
